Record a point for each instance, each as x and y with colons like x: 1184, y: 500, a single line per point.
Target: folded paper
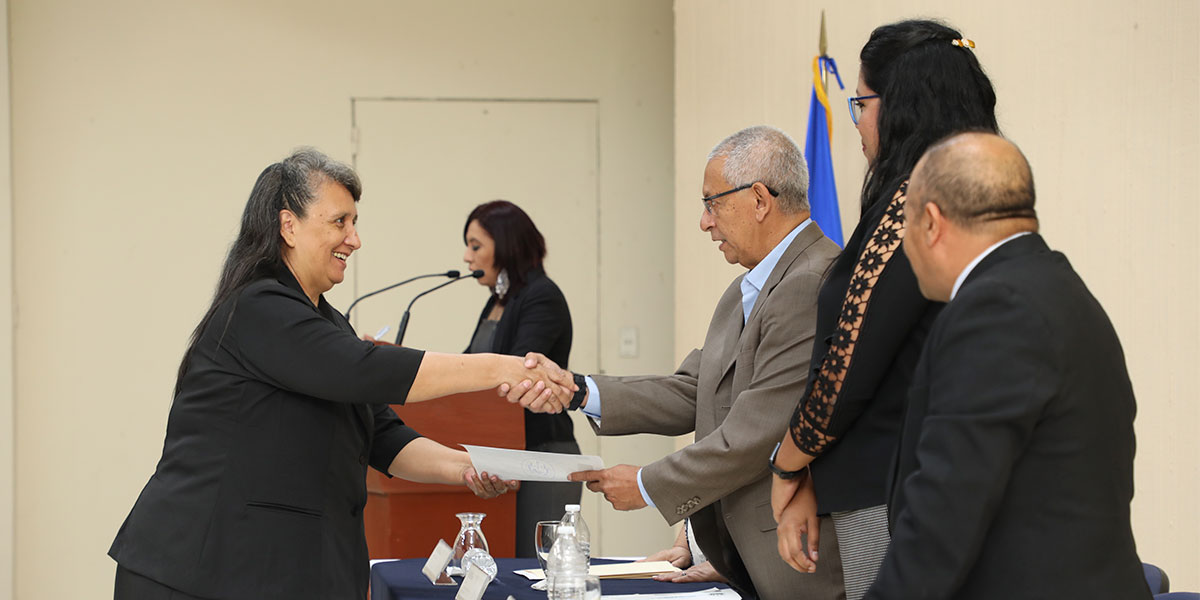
x: 629, y: 570
x: 523, y: 465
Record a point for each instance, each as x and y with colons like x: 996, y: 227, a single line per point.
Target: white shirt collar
x: 971, y: 265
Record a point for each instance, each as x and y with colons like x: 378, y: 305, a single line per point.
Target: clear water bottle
x: 566, y: 568
x: 582, y: 535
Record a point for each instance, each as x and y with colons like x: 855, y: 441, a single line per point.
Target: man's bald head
x: 979, y: 181
x: 966, y: 193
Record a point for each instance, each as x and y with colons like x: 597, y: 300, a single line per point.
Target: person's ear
x: 287, y: 227
x: 933, y: 224
x: 763, y: 201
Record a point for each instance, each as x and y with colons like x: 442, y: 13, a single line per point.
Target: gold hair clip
x: 963, y: 43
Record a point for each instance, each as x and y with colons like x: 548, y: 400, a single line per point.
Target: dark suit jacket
x: 1015, y: 470
x: 260, y: 488
x: 536, y: 319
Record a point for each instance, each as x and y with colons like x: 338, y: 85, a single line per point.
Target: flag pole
x: 822, y: 189
x: 822, y: 49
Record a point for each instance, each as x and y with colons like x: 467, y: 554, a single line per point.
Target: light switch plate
x: 627, y: 345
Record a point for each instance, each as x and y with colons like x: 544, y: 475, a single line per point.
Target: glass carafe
x: 470, y: 535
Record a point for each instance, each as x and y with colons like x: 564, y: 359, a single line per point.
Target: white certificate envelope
x: 523, y: 465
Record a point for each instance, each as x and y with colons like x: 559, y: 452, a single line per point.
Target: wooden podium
x: 405, y: 519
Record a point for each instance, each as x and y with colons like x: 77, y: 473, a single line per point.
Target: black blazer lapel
x: 503, y: 338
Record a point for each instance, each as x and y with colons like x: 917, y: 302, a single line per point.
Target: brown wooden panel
x: 409, y: 525
x: 405, y: 519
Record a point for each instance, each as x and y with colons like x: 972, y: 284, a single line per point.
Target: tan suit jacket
x: 736, y: 394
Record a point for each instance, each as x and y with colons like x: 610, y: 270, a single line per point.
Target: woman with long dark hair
x: 525, y: 313
x: 918, y: 82
x: 279, y: 408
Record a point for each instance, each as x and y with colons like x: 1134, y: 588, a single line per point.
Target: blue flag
x: 822, y: 190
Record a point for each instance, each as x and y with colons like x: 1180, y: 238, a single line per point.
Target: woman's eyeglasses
x: 856, y: 106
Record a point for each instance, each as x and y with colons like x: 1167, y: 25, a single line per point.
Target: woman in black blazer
x: 278, y: 410
x: 919, y: 82
x: 526, y: 313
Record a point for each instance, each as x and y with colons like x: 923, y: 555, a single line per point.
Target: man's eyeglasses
x: 856, y: 106
x: 708, y: 202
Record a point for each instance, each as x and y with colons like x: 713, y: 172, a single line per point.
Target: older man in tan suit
x: 738, y: 392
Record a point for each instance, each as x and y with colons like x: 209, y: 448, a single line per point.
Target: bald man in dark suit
x: 1015, y: 468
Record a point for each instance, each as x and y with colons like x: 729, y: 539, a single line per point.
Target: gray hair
x: 302, y: 174
x: 768, y: 155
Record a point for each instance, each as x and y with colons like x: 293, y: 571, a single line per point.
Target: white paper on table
x: 473, y: 584
x: 523, y: 465
x: 436, y: 565
x: 625, y: 570
x: 709, y: 594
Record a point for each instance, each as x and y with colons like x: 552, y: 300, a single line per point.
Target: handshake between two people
x: 618, y: 484
x: 539, y: 385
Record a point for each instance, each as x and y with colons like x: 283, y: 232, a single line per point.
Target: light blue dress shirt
x: 752, y: 284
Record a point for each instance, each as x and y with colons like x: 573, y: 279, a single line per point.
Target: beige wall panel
x: 1103, y: 99
x: 138, y: 130
x: 7, y: 414
x: 415, y: 153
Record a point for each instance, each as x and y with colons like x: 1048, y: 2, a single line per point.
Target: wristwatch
x: 580, y: 394
x: 780, y: 472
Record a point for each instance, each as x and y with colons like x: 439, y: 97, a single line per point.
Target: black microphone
x: 450, y: 274
x: 476, y: 274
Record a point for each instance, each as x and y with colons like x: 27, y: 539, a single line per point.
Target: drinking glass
x: 543, y: 538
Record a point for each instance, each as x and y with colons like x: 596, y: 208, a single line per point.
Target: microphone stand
x: 451, y: 274
x: 476, y: 274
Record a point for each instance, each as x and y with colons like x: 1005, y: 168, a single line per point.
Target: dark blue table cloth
x: 402, y: 580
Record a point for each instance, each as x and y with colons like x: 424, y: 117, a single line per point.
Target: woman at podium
x: 279, y: 408
x: 525, y: 313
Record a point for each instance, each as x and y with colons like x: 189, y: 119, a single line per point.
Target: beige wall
x: 138, y: 129
x: 7, y: 422
x: 1103, y: 99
